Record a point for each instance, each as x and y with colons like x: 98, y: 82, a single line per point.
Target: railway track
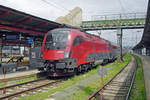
x: 119, y: 87
x: 20, y: 77
x: 25, y: 78
x: 23, y: 89
x: 14, y: 79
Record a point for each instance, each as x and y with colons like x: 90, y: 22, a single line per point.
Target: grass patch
x: 90, y: 88
x: 35, y: 77
x: 95, y: 85
x: 27, y: 79
x: 1, y: 85
x: 138, y: 91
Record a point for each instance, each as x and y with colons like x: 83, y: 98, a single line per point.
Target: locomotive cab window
x: 56, y: 39
x: 77, y: 40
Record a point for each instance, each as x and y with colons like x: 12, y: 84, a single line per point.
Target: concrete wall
x: 74, y: 18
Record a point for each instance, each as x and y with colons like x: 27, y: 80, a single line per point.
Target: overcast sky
x: 51, y: 9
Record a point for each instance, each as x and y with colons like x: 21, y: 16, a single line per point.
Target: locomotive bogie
x: 63, y: 65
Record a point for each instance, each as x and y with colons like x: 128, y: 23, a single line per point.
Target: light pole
x: 119, y: 42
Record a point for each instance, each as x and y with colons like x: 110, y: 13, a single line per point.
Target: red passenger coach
x: 67, y: 51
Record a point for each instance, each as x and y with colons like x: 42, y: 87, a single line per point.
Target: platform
x: 146, y: 68
x: 19, y: 74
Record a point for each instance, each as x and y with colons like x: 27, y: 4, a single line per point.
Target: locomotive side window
x: 77, y: 40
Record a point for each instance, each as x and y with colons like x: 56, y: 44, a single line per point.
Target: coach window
x: 78, y: 40
x: 109, y: 44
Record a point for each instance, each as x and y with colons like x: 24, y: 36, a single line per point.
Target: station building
x: 19, y: 33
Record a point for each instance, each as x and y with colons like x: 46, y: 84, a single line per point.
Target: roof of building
x: 14, y: 20
x: 145, y: 41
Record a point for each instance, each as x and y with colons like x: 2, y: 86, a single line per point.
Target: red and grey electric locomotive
x: 67, y: 50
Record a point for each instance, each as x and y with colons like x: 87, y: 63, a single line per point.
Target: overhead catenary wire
x: 124, y: 11
x: 61, y: 8
x: 55, y: 5
x: 121, y: 5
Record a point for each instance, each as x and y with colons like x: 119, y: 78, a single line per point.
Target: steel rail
x: 22, y: 83
x: 97, y: 92
x: 30, y: 89
x: 132, y: 81
x: 19, y: 77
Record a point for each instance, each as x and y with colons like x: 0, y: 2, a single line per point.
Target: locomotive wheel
x: 89, y: 66
x: 79, y: 69
x: 86, y: 68
x: 76, y: 72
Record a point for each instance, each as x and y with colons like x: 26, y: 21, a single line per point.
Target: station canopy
x: 13, y: 20
x: 145, y: 41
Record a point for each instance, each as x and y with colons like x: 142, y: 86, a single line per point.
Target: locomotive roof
x: 69, y: 28
x: 83, y: 32
x: 62, y: 29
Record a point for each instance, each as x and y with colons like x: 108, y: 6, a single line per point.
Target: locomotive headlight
x: 66, y: 55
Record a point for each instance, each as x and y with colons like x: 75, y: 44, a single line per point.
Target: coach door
x: 77, y: 48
